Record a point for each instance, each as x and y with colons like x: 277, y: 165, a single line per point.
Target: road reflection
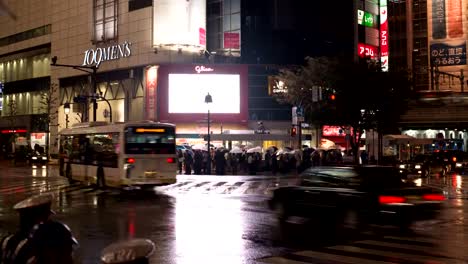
x: 213, y: 226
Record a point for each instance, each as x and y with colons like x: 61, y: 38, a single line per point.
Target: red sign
x: 365, y: 50
x: 202, y: 36
x: 151, y: 84
x: 332, y: 131
x: 383, y: 32
x: 231, y: 40
x: 11, y: 131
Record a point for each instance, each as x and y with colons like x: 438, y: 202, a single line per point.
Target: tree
x: 355, y: 96
x: 48, y: 116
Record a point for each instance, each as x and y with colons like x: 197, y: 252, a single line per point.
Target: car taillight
x: 433, y: 197
x: 391, y: 199
x: 170, y: 160
x: 130, y: 160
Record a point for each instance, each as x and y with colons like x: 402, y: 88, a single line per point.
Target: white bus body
x: 132, y: 154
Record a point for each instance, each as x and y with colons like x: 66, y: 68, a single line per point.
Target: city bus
x: 130, y: 155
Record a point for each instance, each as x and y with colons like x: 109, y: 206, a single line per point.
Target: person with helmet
x: 133, y: 251
x: 39, y: 239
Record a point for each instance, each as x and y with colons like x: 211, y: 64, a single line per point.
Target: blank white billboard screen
x: 179, y: 22
x: 187, y: 93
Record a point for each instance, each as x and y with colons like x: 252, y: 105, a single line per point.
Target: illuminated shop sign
x: 114, y: 52
x: 276, y: 86
x: 12, y: 131
x: 383, y: 35
x: 367, y: 19
x: 202, y: 68
x: 365, y: 51
x: 151, y: 92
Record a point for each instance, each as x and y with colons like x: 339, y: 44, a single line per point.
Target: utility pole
x: 88, y: 69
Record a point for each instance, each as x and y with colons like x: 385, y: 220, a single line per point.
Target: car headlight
x: 44, y: 158
x: 458, y: 165
x: 417, y: 166
x: 402, y: 166
x: 34, y: 158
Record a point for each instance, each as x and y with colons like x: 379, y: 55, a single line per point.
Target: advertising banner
x: 183, y: 88
x: 179, y: 22
x: 383, y: 35
x: 231, y: 40
x: 151, y: 95
x: 447, y: 33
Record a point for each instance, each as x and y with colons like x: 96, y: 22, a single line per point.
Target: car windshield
x: 375, y: 178
x: 419, y: 158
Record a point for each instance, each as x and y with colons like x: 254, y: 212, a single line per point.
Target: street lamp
x: 66, y: 109
x: 88, y: 69
x: 208, y: 100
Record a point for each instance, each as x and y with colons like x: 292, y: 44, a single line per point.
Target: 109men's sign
x: 114, y: 52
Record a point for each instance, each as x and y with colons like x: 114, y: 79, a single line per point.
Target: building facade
x: 153, y: 60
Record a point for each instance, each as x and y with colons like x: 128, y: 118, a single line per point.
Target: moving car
x: 38, y: 158
x: 373, y: 194
x: 419, y: 165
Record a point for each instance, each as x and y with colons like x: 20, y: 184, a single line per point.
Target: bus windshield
x: 150, y: 140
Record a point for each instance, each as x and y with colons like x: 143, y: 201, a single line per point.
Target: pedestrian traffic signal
x: 293, y: 131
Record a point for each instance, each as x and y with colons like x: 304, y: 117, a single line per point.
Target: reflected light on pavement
x: 208, y: 231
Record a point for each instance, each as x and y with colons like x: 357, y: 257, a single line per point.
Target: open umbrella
x: 255, y: 149
x: 200, y: 147
x: 236, y: 150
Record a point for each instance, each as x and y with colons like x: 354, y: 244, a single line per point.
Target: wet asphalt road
x: 224, y: 219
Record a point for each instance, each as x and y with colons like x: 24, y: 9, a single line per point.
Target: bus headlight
x: 417, y: 167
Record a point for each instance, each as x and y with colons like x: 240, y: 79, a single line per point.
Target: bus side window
x: 105, y: 151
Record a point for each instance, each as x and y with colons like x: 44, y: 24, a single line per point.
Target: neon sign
x: 200, y: 69
x: 365, y: 51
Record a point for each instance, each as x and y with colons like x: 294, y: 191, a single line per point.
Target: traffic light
x: 293, y: 131
x: 332, y: 97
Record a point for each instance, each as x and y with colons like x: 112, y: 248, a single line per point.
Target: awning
x: 254, y: 137
x: 398, y: 139
x: 405, y: 139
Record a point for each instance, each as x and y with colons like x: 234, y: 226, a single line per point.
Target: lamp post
x: 88, y: 69
x: 208, y: 100
x: 66, y: 109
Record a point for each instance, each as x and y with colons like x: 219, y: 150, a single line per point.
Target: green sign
x: 367, y: 19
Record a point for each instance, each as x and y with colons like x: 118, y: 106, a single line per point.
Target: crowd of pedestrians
x: 271, y: 161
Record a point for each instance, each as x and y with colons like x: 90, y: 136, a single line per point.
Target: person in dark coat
x: 198, y: 162
x: 39, y: 238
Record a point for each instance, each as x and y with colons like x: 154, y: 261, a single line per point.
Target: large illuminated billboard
x: 182, y: 90
x: 447, y: 32
x: 224, y: 87
x: 179, y: 23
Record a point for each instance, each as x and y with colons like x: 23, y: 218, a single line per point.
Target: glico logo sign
x: 113, y: 52
x: 200, y: 69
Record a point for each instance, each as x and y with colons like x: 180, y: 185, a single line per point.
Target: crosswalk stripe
x: 407, y: 249
x: 382, y: 255
x: 339, y: 258
x: 280, y: 260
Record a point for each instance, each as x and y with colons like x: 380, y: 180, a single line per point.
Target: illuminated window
x: 105, y: 20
